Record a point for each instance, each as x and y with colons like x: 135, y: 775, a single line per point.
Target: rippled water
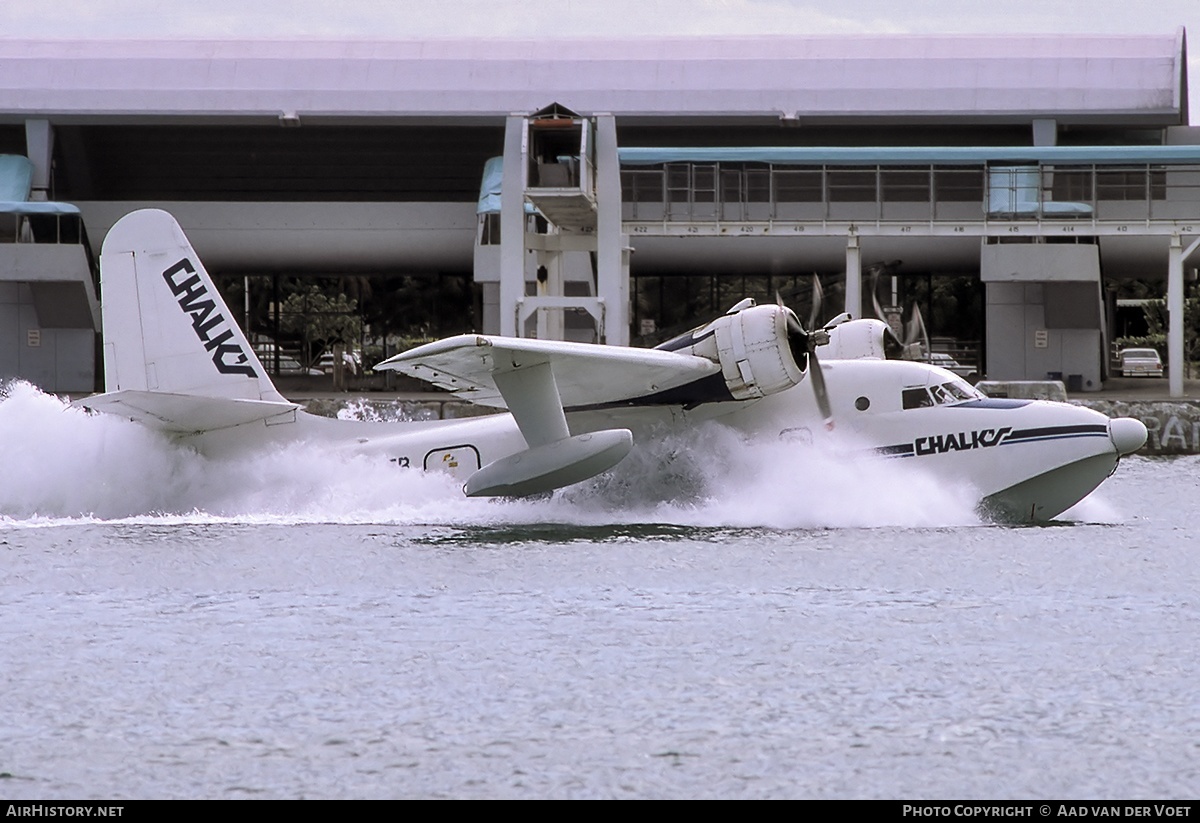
x: 715, y: 620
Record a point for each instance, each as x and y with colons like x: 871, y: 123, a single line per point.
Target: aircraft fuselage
x: 1027, y: 460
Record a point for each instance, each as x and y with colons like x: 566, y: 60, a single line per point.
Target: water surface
x: 715, y: 620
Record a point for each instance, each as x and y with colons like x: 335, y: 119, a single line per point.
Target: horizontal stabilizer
x: 584, y: 373
x: 188, y: 414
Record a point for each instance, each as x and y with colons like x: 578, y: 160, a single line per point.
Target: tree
x: 321, y: 320
x: 1155, y: 313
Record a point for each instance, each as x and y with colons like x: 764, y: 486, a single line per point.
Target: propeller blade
x: 875, y: 272
x: 799, y: 341
x: 820, y: 390
x: 818, y: 297
x: 915, y: 331
x: 894, y: 346
x: 837, y: 321
x: 809, y: 341
x: 793, y: 325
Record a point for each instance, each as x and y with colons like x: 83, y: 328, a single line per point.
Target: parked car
x: 351, y: 360
x: 290, y: 366
x: 1140, y: 363
x: 289, y: 359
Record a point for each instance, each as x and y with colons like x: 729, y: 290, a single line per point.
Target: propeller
x: 818, y: 297
x: 915, y: 331
x: 915, y: 335
x: 804, y: 346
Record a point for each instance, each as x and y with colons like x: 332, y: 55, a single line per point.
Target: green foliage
x: 321, y: 320
x: 953, y: 304
x: 1158, y: 342
x: 420, y: 306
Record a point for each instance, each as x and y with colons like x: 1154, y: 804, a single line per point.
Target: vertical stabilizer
x: 166, y: 328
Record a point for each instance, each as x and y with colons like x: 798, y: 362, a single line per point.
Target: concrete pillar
x: 512, y: 225
x: 550, y: 321
x: 1045, y: 132
x: 1176, y: 366
x: 853, y: 278
x: 1175, y: 317
x: 39, y: 146
x: 612, y: 263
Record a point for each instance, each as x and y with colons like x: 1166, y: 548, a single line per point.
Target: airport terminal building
x: 997, y: 190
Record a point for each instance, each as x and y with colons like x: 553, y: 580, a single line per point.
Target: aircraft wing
x: 585, y: 374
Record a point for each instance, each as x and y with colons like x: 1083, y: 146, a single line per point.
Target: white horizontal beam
x: 958, y: 228
x: 528, y: 305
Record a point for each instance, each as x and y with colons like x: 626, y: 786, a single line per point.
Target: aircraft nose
x: 1127, y: 434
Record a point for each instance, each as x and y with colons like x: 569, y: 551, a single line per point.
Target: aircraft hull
x: 1027, y: 461
x: 1027, y: 464
x: 1048, y: 494
x: 457, y: 447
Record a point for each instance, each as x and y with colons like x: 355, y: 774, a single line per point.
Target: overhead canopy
x: 16, y: 178
x: 947, y: 78
x: 489, y: 189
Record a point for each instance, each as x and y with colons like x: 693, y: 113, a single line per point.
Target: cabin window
x: 862, y: 403
x: 917, y: 398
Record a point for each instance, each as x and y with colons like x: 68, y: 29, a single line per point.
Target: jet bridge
x: 560, y: 172
x: 550, y: 252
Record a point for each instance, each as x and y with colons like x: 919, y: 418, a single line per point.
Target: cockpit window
x: 944, y: 394
x: 962, y: 390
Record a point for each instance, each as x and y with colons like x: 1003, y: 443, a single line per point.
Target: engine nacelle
x: 753, y: 349
x: 855, y: 340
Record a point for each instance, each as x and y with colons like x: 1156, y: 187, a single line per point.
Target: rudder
x: 166, y: 328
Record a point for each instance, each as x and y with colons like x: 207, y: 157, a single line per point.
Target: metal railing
x: 699, y: 192
x: 41, y: 228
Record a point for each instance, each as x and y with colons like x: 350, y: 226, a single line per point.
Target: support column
x: 39, y: 146
x: 1175, y: 319
x: 1045, y: 132
x: 512, y: 225
x: 853, y: 278
x: 550, y: 321
x: 612, y: 263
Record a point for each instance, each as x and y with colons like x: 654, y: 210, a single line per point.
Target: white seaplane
x: 175, y: 360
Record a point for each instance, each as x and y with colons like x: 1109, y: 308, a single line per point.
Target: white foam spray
x: 64, y: 464
x: 715, y: 476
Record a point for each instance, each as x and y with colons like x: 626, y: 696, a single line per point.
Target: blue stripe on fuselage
x: 967, y: 441
x: 992, y: 403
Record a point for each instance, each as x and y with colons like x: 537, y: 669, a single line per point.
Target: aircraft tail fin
x: 166, y: 328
